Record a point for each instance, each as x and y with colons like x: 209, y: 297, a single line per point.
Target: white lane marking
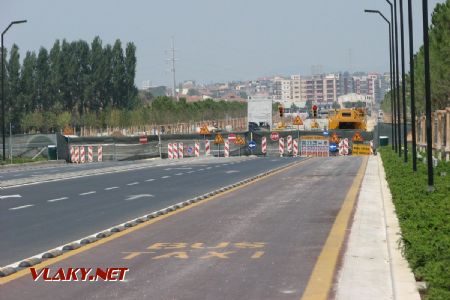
x: 151, y: 179
x: 190, y: 172
x: 164, y: 177
x: 178, y: 174
x: 111, y: 188
x: 57, y: 199
x: 225, y: 165
x: 201, y: 169
x: 232, y: 171
x: 133, y: 183
x: 134, y: 197
x: 208, y: 168
x: 20, y: 207
x: 11, y: 196
x: 17, y: 175
x: 87, y: 193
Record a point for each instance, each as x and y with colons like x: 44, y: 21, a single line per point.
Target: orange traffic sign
x: 239, y: 140
x: 297, y: 121
x: 219, y: 139
x: 204, y: 130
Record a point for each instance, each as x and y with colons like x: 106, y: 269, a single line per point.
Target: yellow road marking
x: 223, y: 255
x: 66, y: 255
x: 179, y: 254
x: 257, y: 254
x: 321, y: 279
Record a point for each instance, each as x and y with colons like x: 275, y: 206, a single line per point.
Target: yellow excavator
x: 347, y: 118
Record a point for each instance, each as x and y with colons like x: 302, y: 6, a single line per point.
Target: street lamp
x: 394, y: 81
x: 426, y: 58
x: 411, y: 71
x: 397, y: 72
x: 390, y: 69
x: 3, y: 86
x: 402, y: 40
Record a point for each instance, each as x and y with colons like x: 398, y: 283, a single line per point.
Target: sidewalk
x: 372, y: 265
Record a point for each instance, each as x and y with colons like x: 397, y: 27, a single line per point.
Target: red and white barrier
x: 72, y: 154
x: 281, y: 146
x: 77, y: 154
x: 207, y: 148
x: 197, y: 150
x: 169, y: 151
x: 82, y: 155
x: 264, y: 145
x: 100, y: 153
x: 295, y: 153
x: 289, y: 143
x: 180, y: 150
x: 227, y: 149
x: 175, y: 150
x: 343, y: 147
x: 90, y: 154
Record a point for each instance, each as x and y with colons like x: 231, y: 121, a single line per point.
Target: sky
x: 218, y: 41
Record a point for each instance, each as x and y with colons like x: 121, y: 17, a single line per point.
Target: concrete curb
x: 12, y: 268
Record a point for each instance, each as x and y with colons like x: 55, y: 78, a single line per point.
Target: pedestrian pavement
x: 372, y: 266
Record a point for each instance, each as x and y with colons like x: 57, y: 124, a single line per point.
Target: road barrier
x: 227, y: 149
x: 72, y: 154
x: 100, y: 153
x: 281, y: 146
x: 90, y: 154
x: 264, y: 145
x: 82, y: 155
x: 289, y: 143
x: 169, y: 151
x: 207, y: 148
x: 175, y: 150
x: 197, y: 149
x: 295, y: 153
x: 77, y: 154
x: 180, y: 150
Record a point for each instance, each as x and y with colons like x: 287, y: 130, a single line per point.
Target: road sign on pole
x: 252, y: 145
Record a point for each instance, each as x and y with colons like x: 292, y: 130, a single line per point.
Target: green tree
x: 43, y: 81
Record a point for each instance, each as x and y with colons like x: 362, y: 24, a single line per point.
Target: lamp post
x: 394, y: 84
x: 3, y: 87
x: 426, y: 56
x: 411, y: 71
x: 402, y: 42
x: 397, y: 73
x: 390, y: 69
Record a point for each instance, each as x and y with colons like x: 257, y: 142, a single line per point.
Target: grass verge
x: 424, y: 220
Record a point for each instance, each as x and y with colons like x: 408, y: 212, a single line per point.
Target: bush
x: 424, y: 219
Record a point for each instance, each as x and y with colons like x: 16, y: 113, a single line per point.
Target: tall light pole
x: 411, y: 72
x: 3, y: 87
x: 394, y: 84
x: 402, y: 41
x: 390, y: 68
x: 426, y: 58
x: 397, y: 72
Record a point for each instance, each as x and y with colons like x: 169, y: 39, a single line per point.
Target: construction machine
x: 347, y: 118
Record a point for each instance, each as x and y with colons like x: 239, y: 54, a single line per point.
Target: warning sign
x: 297, y: 121
x: 361, y: 149
x: 219, y: 139
x: 357, y: 137
x: 204, y: 130
x: 239, y: 140
x: 314, y: 145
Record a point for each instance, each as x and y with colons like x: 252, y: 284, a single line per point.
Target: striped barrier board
x: 90, y: 154
x: 197, y: 150
x: 100, y: 153
x: 180, y: 150
x: 207, y: 148
x: 227, y: 149
x: 82, y: 155
x: 169, y: 151
x: 295, y: 150
x: 264, y: 145
x: 281, y: 146
x: 289, y: 143
x: 175, y: 150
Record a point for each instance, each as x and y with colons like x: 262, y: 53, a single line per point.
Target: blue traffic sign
x: 251, y: 145
x: 333, y: 147
x: 190, y: 150
x: 325, y: 132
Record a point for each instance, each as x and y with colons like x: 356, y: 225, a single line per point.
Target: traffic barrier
x: 264, y: 145
x: 371, y: 147
x: 77, y: 154
x: 227, y: 149
x: 281, y: 146
x: 197, y: 149
x: 343, y: 147
x: 72, y: 154
x: 90, y: 154
x: 289, y: 143
x: 169, y: 151
x: 180, y: 150
x: 100, y: 153
x: 82, y: 155
x: 207, y: 148
x: 175, y: 150
x: 295, y: 153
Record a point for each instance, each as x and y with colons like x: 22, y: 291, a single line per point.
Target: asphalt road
x: 257, y: 242
x: 39, y: 217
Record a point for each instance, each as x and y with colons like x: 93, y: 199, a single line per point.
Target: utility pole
x: 172, y: 60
